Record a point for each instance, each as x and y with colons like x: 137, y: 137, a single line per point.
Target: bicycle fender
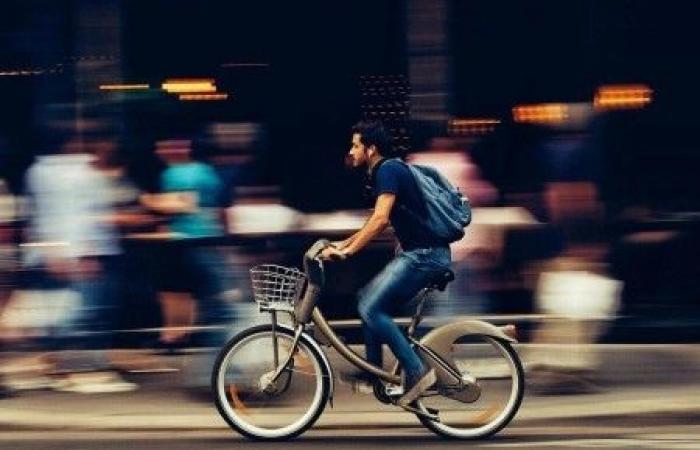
x: 439, y: 342
x: 440, y: 339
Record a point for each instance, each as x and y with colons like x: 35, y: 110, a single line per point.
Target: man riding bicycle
x: 422, y: 258
x: 441, y: 387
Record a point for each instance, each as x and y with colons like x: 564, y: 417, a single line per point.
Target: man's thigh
x: 394, y: 286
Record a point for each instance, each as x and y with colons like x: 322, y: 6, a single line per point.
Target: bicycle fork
x: 279, y: 368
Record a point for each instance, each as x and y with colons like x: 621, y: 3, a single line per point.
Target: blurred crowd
x: 68, y: 268
x: 87, y: 255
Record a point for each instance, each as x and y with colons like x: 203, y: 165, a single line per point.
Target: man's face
x: 357, y: 156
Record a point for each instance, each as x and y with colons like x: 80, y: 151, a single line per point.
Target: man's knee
x: 365, y: 308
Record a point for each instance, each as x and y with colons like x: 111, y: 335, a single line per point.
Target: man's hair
x: 374, y: 133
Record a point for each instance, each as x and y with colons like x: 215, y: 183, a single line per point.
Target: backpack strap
x: 373, y: 174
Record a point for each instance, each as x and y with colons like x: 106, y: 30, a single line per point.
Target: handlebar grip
x: 316, y: 248
x: 315, y: 277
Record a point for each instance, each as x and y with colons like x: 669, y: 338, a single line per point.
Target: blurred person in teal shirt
x: 190, y: 192
x: 201, y: 182
x: 190, y: 200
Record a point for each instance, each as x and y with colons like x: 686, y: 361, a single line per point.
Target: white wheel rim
x: 256, y: 430
x: 512, y: 400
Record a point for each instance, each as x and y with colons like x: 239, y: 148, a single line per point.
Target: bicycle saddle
x: 440, y: 283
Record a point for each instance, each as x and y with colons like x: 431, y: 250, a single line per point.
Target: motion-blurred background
x: 570, y: 125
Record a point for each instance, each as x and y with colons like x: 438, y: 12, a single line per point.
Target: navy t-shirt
x: 392, y: 176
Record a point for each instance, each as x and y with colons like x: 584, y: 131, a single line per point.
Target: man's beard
x: 350, y: 163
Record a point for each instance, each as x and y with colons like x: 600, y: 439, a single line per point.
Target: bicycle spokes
x: 263, y: 398
x: 495, y: 369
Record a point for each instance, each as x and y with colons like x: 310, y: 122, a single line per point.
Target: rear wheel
x: 262, y: 409
x: 499, y: 374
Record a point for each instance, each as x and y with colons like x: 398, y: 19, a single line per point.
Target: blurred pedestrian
x: 190, y: 200
x: 8, y: 262
x: 72, y: 243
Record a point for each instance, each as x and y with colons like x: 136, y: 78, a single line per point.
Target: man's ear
x: 371, y: 148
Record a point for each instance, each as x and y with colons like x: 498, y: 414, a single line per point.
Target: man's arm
x: 340, y: 245
x: 170, y: 203
x: 377, y: 223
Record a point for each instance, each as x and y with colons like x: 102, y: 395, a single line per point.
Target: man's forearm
x: 373, y: 228
x: 347, y: 242
x: 169, y: 203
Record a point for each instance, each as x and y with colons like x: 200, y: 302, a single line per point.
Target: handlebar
x: 313, y: 267
x: 315, y: 249
x: 312, y: 255
x: 315, y: 276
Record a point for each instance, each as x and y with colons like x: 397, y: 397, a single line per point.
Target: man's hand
x: 60, y: 267
x: 67, y: 268
x: 331, y: 253
x: 339, y: 244
x: 170, y: 202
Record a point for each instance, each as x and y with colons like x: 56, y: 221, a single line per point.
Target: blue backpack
x: 448, y: 211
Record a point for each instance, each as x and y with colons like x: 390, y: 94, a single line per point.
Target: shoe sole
x: 423, y: 385
x: 97, y: 389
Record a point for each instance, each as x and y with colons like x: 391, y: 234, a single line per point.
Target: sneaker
x: 28, y: 383
x: 94, y: 383
x: 416, y: 385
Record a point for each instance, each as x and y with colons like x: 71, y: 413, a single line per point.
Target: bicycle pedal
x: 429, y: 413
x: 394, y: 391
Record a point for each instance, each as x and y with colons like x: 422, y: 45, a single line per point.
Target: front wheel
x: 253, y: 404
x: 499, y: 374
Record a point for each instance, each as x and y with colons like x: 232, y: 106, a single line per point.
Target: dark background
x: 312, y: 54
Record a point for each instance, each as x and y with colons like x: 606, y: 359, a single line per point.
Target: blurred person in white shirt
x: 72, y: 243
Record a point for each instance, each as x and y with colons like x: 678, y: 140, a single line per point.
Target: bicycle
x: 480, y: 380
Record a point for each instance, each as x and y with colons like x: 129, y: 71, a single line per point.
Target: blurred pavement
x: 634, y: 381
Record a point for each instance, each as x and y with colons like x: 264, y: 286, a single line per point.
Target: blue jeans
x: 396, y: 285
x: 207, y: 267
x: 208, y: 273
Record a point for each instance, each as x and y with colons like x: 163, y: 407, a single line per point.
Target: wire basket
x: 276, y: 287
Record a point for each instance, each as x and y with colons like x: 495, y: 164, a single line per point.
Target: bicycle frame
x: 442, y: 348
x: 306, y: 311
x: 346, y: 352
x: 323, y: 327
